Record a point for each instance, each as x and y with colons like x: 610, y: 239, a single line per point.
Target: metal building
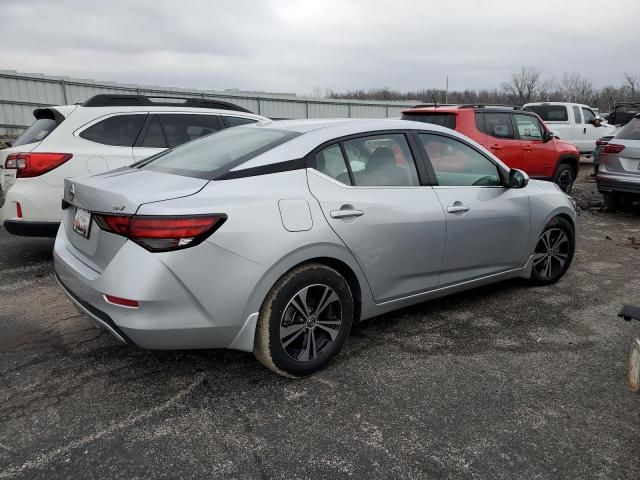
x: 21, y: 93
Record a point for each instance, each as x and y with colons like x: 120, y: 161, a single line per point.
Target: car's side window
x: 154, y: 136
x: 528, y: 127
x: 456, y: 164
x: 182, y: 128
x: 237, y: 121
x: 331, y: 162
x: 589, y: 116
x: 381, y: 160
x: 577, y: 114
x: 498, y: 125
x: 118, y: 130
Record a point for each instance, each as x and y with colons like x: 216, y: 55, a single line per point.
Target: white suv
x: 104, y: 133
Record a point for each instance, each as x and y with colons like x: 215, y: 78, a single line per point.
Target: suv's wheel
x: 554, y: 252
x: 304, y: 321
x: 564, y: 177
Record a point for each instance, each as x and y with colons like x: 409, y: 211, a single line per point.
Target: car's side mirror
x: 597, y: 122
x: 546, y: 136
x: 517, y: 178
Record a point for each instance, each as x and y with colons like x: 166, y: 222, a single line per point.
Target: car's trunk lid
x: 119, y: 192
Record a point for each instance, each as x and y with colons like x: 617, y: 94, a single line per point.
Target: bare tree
x: 523, y: 85
x: 576, y: 88
x: 632, y: 82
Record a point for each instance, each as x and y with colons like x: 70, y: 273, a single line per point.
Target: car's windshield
x: 631, y: 131
x: 443, y: 119
x: 216, y: 154
x: 37, y: 132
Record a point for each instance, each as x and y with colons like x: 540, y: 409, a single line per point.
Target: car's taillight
x: 34, y: 164
x: 159, y: 233
x: 613, y: 148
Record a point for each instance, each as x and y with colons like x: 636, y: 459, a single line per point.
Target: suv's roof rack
x: 492, y: 105
x: 123, y: 100
x: 436, y: 105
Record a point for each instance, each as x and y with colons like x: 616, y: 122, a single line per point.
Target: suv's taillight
x: 159, y: 233
x: 613, y: 148
x: 34, y: 164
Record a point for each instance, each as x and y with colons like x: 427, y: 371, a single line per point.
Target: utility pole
x: 446, y: 90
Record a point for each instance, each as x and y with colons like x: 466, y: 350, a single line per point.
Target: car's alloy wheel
x: 553, y: 252
x: 310, y: 322
x: 304, y: 320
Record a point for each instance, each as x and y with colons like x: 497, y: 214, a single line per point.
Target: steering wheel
x: 486, y: 180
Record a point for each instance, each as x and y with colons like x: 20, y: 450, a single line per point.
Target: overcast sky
x: 296, y: 45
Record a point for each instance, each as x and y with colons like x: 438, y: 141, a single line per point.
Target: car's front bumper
x: 193, y: 298
x: 612, y: 182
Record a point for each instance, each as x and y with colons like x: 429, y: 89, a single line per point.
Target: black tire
x: 553, y: 255
x: 612, y: 200
x: 318, y: 335
x: 564, y: 177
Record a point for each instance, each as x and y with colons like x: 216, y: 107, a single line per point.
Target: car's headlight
x: 572, y: 202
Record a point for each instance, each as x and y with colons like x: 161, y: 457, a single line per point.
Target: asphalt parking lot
x: 506, y: 381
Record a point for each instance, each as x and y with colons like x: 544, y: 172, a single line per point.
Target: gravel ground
x: 506, y: 381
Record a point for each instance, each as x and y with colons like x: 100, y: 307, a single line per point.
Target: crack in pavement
x: 45, y: 459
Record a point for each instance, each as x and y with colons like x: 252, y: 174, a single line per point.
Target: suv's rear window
x: 443, y: 119
x: 550, y: 113
x: 216, y: 154
x: 631, y: 131
x: 38, y: 131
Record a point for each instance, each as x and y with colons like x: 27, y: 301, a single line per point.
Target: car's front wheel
x: 564, y: 177
x: 554, y: 252
x: 304, y: 320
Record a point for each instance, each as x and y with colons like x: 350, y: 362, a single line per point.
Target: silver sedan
x: 276, y: 238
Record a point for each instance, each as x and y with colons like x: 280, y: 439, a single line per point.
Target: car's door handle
x: 584, y: 130
x: 458, y: 208
x: 346, y: 213
x: 527, y: 148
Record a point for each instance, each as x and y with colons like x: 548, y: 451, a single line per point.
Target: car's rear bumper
x: 193, y: 298
x: 31, y: 229
x: 610, y: 182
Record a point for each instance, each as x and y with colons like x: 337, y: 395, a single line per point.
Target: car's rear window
x: 216, y: 154
x: 631, y: 131
x: 38, y: 131
x: 550, y: 113
x: 443, y: 119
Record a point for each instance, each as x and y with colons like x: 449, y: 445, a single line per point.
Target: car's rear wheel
x: 304, y: 321
x: 564, y: 177
x: 554, y: 252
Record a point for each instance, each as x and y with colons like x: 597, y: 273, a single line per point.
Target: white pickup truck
x: 572, y: 122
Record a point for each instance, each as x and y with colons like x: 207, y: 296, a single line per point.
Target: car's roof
x: 458, y: 108
x: 320, y: 131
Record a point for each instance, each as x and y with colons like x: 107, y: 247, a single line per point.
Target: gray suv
x: 618, y: 176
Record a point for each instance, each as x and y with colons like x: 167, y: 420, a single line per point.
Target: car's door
x: 501, y: 138
x: 540, y: 157
x: 487, y: 224
x: 372, y: 197
x: 110, y: 141
x: 168, y: 130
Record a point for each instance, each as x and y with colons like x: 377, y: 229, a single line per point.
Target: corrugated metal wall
x: 21, y: 93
